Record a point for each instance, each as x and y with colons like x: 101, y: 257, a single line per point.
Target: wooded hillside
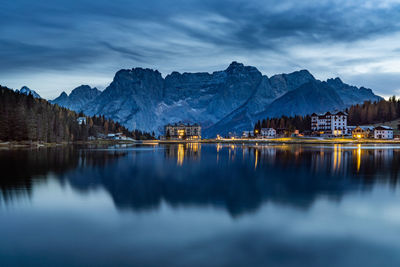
x: 23, y: 117
x: 360, y: 114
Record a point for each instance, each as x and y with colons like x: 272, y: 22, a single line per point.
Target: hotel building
x: 182, y: 131
x: 329, y: 123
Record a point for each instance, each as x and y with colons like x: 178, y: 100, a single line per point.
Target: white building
x: 81, y: 120
x: 183, y: 131
x: 383, y: 132
x: 329, y: 123
x: 268, y: 132
x: 247, y: 134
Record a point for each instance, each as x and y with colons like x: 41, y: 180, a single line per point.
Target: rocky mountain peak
x: 137, y: 74
x: 336, y: 82
x: 26, y: 91
x: 84, y: 91
x: 235, y: 68
x: 234, y: 65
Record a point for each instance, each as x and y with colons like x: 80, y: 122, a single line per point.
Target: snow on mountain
x: 26, y: 91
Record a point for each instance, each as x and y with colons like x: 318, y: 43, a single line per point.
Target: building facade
x: 268, y: 132
x: 362, y: 132
x: 182, y: 131
x: 383, y: 132
x: 247, y: 134
x: 329, y: 123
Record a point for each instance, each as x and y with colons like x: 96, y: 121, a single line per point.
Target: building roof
x: 181, y: 124
x: 384, y: 128
x: 339, y: 113
x: 366, y: 127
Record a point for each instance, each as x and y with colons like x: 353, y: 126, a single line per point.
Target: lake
x: 201, y: 205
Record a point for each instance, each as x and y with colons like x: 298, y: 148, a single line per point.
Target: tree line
x: 360, y: 114
x: 301, y: 123
x: 374, y: 112
x: 25, y: 118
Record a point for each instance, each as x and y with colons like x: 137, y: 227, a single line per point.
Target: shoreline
x: 288, y: 140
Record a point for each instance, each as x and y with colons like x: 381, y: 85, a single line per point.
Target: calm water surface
x: 201, y: 205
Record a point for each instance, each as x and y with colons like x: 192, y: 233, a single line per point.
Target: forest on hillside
x: 374, y: 112
x: 360, y: 114
x: 25, y: 118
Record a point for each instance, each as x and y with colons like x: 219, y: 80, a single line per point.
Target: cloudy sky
x: 55, y: 45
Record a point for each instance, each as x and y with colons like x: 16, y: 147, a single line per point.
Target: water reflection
x: 236, y: 178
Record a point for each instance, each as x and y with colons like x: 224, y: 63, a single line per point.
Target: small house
x: 247, y: 134
x: 362, y: 132
x: 268, y: 132
x: 383, y: 132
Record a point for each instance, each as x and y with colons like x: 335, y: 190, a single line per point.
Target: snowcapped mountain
x: 222, y: 101
x: 26, y: 91
x: 78, y: 98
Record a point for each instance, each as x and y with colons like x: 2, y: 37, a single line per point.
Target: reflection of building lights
x: 181, y: 154
x: 219, y: 146
x: 334, y: 156
x: 358, y: 157
x: 337, y: 153
x: 256, y: 159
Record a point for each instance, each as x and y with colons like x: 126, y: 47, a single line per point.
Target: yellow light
x: 181, y: 154
x: 359, y: 136
x: 358, y: 157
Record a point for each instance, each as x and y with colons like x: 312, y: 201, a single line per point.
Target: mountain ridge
x: 224, y: 101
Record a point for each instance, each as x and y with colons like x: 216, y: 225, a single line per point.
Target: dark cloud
x: 66, y: 35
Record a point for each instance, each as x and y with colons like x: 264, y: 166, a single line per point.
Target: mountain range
x: 225, y: 101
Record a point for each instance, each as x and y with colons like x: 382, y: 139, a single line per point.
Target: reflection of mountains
x: 239, y: 179
x: 21, y: 169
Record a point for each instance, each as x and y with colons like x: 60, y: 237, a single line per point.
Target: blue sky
x: 55, y: 45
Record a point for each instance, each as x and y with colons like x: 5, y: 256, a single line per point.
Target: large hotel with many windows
x: 329, y: 123
x: 182, y: 131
